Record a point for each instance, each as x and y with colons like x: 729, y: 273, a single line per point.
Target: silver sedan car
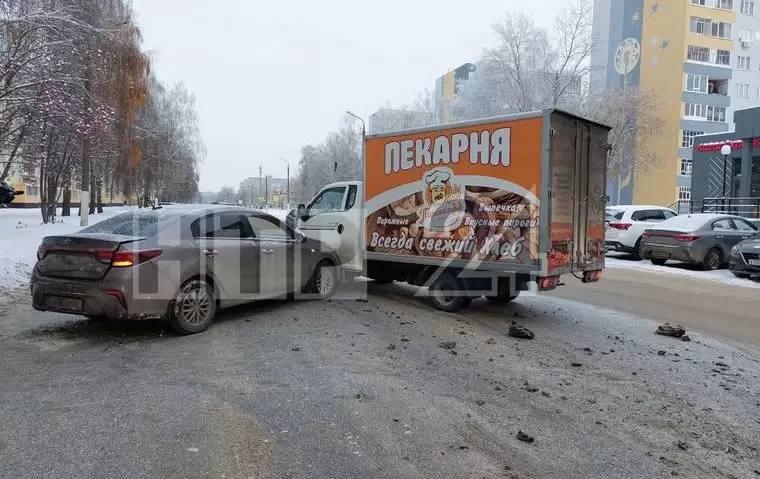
x: 179, y: 263
x: 702, y: 238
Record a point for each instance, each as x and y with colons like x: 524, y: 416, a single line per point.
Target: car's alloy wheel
x: 193, y: 309
x: 712, y: 260
x: 325, y: 280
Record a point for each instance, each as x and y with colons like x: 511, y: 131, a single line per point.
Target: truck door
x: 329, y: 218
x: 578, y: 165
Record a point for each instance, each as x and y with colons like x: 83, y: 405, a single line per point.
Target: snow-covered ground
x: 619, y: 260
x: 21, y: 232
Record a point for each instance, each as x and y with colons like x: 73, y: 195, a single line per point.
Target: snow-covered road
x: 618, y: 260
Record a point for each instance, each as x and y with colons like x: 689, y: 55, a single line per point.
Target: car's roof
x: 637, y: 207
x: 197, y: 209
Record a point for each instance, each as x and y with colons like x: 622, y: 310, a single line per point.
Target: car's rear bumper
x: 91, y: 299
x: 617, y: 246
x: 674, y: 253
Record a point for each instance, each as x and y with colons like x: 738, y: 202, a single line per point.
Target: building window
x: 696, y: 83
x: 742, y: 90
x: 32, y: 190
x: 687, y: 137
x: 716, y: 113
x: 721, y: 29
x: 724, y: 4
x: 698, y: 54
x: 723, y: 57
x: 684, y: 193
x: 685, y: 167
x: 746, y: 35
x: 748, y: 7
x: 743, y: 63
x: 699, y: 25
x: 701, y: 3
x: 694, y: 110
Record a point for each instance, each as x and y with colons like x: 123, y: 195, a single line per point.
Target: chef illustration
x: 438, y: 186
x: 445, y: 206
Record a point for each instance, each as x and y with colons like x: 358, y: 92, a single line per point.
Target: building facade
x: 717, y: 176
x: 699, y: 57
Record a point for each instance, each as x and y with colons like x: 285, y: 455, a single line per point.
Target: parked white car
x: 626, y: 223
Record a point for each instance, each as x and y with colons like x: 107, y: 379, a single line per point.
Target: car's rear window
x: 613, y: 214
x: 138, y: 223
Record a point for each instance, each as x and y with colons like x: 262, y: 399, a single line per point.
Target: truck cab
x: 334, y: 217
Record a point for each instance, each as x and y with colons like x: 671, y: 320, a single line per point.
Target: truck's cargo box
x: 522, y: 193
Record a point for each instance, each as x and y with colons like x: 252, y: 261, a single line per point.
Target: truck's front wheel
x: 447, y: 293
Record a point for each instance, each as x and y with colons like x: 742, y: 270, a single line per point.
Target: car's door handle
x: 267, y: 251
x: 210, y: 252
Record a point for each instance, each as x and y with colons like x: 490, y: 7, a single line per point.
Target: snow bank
x: 617, y: 260
x: 21, y: 232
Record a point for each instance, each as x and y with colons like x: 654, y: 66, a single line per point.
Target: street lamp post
x: 364, y: 136
x: 725, y: 150
x: 288, y: 181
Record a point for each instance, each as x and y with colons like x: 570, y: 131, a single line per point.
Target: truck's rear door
x: 577, y: 164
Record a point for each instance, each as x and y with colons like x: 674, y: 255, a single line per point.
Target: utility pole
x: 261, y: 190
x: 288, y: 182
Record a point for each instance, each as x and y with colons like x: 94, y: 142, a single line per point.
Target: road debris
x: 667, y: 329
x: 521, y: 332
x: 521, y: 436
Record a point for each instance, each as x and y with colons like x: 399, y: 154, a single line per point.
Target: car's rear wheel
x: 658, y: 261
x: 712, y: 259
x: 193, y: 309
x: 324, y: 281
x: 638, y: 250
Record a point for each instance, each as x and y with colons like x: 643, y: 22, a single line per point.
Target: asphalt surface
x: 350, y: 388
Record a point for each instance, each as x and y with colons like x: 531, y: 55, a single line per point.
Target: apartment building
x: 700, y: 57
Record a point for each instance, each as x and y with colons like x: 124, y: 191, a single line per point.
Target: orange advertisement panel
x: 468, y: 193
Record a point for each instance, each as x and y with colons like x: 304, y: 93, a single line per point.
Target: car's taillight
x: 125, y: 259
x: 620, y: 226
x: 687, y: 238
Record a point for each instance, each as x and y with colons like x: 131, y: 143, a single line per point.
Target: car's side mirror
x: 303, y: 213
x: 18, y: 193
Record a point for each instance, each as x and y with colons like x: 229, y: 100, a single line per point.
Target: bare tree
x: 635, y: 118
x: 531, y: 68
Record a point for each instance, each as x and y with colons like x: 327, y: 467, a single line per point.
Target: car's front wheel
x: 193, y: 309
x: 324, y: 281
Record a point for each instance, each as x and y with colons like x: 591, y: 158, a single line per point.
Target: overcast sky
x: 270, y: 77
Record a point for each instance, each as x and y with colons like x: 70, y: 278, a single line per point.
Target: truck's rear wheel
x: 447, y: 293
x: 503, y: 298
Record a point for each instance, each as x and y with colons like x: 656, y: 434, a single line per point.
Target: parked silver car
x: 181, y: 263
x: 701, y: 238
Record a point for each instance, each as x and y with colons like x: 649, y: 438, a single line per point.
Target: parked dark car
x: 178, y: 263
x: 705, y: 239
x: 745, y: 258
x: 8, y: 194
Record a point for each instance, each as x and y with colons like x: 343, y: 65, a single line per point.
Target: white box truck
x: 478, y: 208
